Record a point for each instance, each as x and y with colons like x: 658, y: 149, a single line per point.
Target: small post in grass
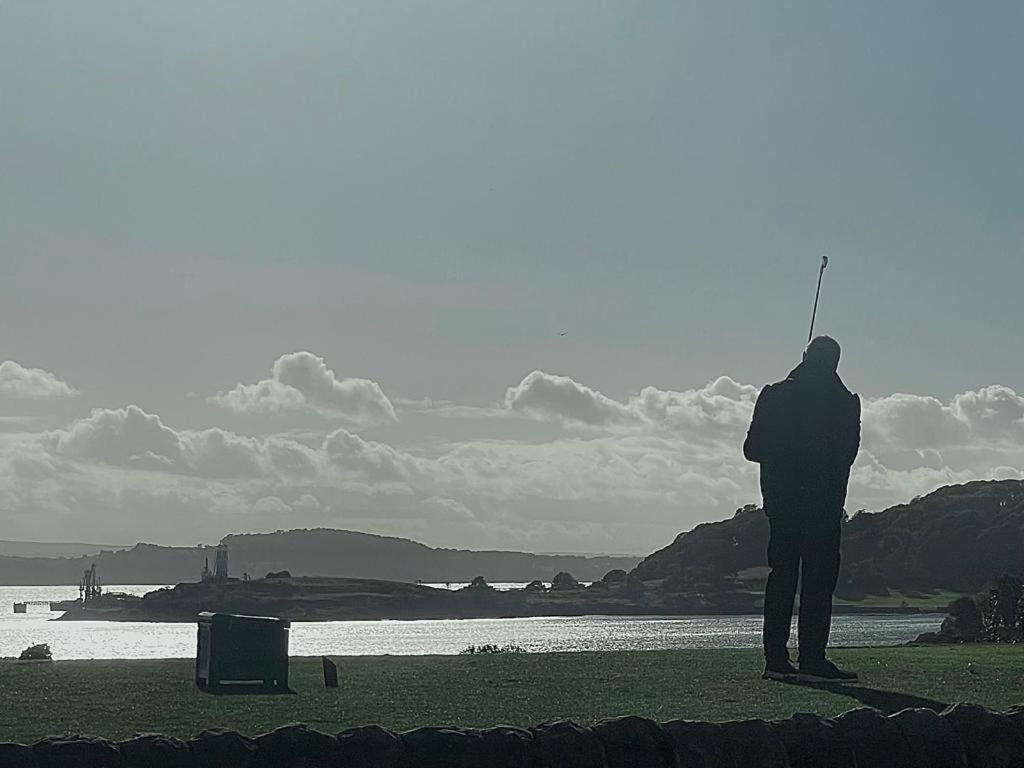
x: 330, y: 673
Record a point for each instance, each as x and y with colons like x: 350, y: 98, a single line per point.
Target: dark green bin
x: 241, y: 652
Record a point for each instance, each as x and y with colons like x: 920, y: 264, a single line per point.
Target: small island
x: 340, y: 599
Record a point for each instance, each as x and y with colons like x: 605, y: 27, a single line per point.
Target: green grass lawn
x: 926, y: 601
x: 119, y: 698
x: 937, y: 601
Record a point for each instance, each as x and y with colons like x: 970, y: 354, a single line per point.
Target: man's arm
x: 851, y: 433
x: 757, y: 446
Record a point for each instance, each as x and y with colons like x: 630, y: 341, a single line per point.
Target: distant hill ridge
x: 314, y: 552
x: 52, y: 549
x: 954, y: 539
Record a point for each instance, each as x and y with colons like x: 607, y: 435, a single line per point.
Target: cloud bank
x: 555, y: 465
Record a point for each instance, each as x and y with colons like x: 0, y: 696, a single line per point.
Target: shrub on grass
x: 489, y: 648
x: 39, y: 652
x: 1004, y: 619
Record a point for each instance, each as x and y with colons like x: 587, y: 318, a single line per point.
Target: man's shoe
x: 779, y: 670
x: 824, y: 671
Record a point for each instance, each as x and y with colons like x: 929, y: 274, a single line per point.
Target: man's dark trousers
x: 802, y: 547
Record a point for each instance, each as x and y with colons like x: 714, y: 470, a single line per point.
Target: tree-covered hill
x: 956, y: 539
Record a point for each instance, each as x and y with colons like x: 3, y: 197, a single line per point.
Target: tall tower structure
x: 220, y: 564
x: 89, y: 588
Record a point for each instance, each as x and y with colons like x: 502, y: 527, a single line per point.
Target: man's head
x: 822, y: 354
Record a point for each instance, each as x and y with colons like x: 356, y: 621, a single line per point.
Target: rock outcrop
x: 963, y: 624
x: 962, y: 736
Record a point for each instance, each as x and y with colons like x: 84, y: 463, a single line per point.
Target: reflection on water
x: 106, y: 640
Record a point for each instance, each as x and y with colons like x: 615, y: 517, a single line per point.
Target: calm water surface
x: 131, y: 640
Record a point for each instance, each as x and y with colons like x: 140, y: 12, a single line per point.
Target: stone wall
x: 963, y: 736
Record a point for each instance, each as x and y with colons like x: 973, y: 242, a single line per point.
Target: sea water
x: 157, y: 640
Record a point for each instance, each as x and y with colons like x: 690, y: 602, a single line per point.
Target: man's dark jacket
x: 805, y: 434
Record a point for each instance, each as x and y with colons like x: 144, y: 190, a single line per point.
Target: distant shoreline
x: 329, y: 599
x: 850, y: 611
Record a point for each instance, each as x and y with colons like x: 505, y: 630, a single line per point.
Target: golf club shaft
x: 817, y: 293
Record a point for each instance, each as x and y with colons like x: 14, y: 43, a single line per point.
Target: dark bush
x: 39, y: 652
x: 615, y: 576
x: 478, y: 582
x: 490, y: 648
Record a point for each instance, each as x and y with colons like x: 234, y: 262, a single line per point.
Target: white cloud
x: 270, y: 505
x: 130, y: 437
x: 19, y: 382
x: 440, y: 508
x: 912, y: 422
x: 544, y: 394
x: 875, y: 486
x: 293, y: 460
x: 979, y: 428
x: 217, y: 453
x: 308, y: 504
x: 993, y: 412
x: 302, y: 380
x: 126, y: 437
x: 620, y: 470
x: 374, y: 462
x: 268, y: 396
x: 724, y: 405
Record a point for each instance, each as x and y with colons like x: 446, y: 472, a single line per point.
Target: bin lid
x: 208, y: 617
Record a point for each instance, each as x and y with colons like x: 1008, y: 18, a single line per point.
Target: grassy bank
x: 119, y: 698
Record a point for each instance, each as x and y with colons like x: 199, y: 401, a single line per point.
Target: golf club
x: 814, y: 312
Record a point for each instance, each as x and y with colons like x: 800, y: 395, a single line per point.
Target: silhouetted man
x: 805, y: 435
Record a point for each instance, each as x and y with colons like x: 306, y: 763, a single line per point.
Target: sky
x: 276, y: 265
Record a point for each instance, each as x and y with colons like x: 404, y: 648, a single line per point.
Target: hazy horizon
x: 126, y: 545
x: 493, y: 275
